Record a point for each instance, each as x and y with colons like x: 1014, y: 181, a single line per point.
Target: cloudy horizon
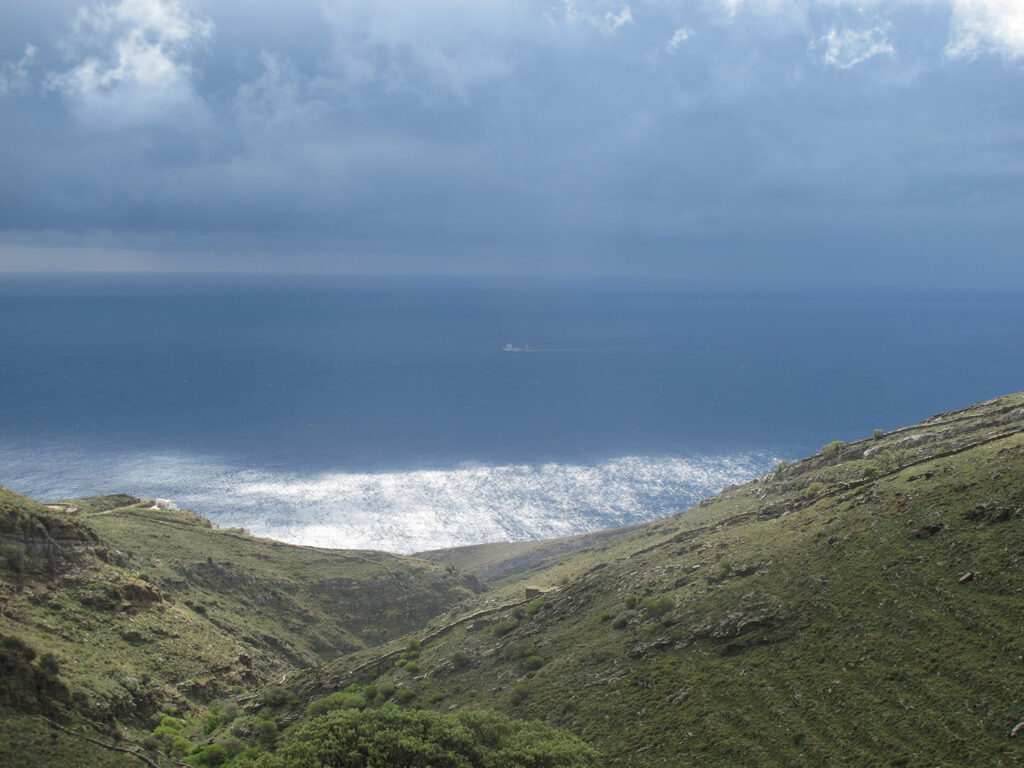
x: 771, y: 142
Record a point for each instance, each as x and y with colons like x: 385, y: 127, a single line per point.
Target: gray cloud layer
x: 771, y: 140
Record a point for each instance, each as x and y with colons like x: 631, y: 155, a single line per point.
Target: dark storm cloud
x: 759, y: 141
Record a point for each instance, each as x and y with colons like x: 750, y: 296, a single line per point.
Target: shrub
x: 517, y: 651
x: 534, y: 606
x: 813, y: 490
x: 832, y: 449
x: 265, y: 732
x: 531, y: 663
x: 657, y: 607
x: 404, y: 695
x: 179, y: 746
x: 519, y: 693
x: 231, y: 744
x: 173, y: 723
x: 632, y: 601
x: 411, y: 739
x: 14, y: 557
x: 228, y: 712
x: 870, y: 471
x: 781, y: 465
x: 503, y: 627
x: 620, y: 622
x: 18, y: 647
x: 340, y: 700
x: 277, y: 696
x: 48, y: 665
x: 213, y: 754
x: 878, y: 434
x: 461, y: 660
x: 210, y: 723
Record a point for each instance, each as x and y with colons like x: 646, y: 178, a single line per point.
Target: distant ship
x: 525, y: 348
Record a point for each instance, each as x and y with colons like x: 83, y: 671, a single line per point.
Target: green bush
x: 17, y: 647
x: 210, y: 723
x: 265, y: 732
x: 813, y: 490
x: 14, y: 557
x: 504, y: 627
x: 173, y: 723
x: 833, y: 449
x: 519, y: 693
x: 231, y: 745
x: 534, y: 606
x: 413, y: 739
x: 48, y: 665
x: 531, y: 663
x: 228, y: 711
x: 213, y: 754
x: 179, y: 746
x: 657, y: 607
x: 404, y: 695
x: 340, y: 700
x: 514, y: 651
x: 277, y: 696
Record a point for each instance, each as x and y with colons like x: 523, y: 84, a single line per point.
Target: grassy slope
x: 515, y: 562
x: 147, y: 609
x: 28, y: 742
x: 300, y: 603
x: 820, y: 616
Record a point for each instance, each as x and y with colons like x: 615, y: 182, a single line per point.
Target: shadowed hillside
x: 142, y: 612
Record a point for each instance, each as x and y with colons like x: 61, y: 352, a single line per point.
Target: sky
x: 789, y: 143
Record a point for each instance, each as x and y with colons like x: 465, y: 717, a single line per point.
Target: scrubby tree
x: 658, y: 606
x: 412, y: 739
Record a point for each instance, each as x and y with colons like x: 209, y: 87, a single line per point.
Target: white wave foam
x: 399, y: 511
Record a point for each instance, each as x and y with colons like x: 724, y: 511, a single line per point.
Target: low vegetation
x: 396, y: 738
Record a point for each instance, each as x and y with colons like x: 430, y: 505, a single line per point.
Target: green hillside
x: 864, y: 606
x: 146, y: 612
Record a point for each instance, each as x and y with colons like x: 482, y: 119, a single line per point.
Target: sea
x: 413, y: 413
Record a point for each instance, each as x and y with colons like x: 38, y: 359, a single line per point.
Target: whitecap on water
x: 399, y: 511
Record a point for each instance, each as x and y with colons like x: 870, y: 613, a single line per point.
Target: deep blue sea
x: 384, y: 413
